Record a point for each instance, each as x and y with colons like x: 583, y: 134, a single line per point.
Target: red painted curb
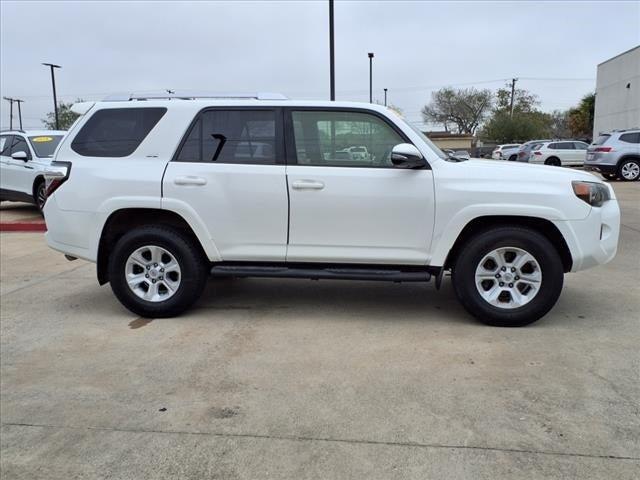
x: 23, y: 227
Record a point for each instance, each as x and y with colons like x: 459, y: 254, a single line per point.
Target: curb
x: 23, y: 227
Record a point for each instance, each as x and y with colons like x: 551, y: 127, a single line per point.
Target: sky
x: 553, y: 48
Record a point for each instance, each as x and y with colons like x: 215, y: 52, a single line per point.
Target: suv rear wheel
x: 629, y: 170
x: 157, y: 271
x: 508, y: 276
x: 553, y: 161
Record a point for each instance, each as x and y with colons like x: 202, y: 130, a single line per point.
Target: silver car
x: 616, y: 155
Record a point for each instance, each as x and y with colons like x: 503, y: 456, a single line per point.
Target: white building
x: 618, y: 93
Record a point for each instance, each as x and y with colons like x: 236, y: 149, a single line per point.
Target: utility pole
x: 53, y: 83
x: 370, y: 55
x: 513, y: 92
x: 332, y: 66
x: 10, y: 100
x: 19, y: 110
x: 385, y: 97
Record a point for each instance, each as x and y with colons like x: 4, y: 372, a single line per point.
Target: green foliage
x: 65, y: 116
x: 501, y: 128
x: 581, y: 117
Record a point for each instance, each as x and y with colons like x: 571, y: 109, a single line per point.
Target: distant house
x: 453, y: 141
x: 618, y: 93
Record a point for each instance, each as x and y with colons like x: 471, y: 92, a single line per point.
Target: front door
x: 348, y: 202
x: 230, y: 170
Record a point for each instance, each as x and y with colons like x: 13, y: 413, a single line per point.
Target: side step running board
x: 330, y: 273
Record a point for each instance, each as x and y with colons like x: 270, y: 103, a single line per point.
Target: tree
x: 65, y: 116
x: 559, y: 126
x: 581, y: 117
x: 527, y: 122
x: 523, y: 100
x: 502, y: 128
x: 464, y: 109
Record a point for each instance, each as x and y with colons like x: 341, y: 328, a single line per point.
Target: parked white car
x: 155, y: 193
x: 507, y: 151
x: 559, y: 153
x: 24, y: 156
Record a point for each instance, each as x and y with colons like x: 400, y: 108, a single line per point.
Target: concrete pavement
x: 300, y: 379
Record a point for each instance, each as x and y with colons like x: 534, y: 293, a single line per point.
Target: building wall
x: 452, y: 142
x: 618, y: 107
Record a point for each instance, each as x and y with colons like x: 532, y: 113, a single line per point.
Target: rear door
x: 580, y: 152
x: 347, y: 209
x: 229, y: 169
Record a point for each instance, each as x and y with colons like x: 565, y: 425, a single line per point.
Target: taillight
x: 55, y: 177
x: 604, y: 149
x: 537, y: 153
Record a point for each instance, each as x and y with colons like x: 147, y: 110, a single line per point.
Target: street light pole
x: 19, y: 111
x: 332, y: 66
x: 370, y: 55
x: 385, y: 97
x: 55, y: 99
x: 10, y: 100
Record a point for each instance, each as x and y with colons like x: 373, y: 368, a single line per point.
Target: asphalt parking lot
x: 299, y: 379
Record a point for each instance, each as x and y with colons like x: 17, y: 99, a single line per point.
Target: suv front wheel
x: 508, y: 276
x: 157, y: 271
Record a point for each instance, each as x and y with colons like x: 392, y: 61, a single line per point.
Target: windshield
x: 433, y: 146
x: 45, y: 145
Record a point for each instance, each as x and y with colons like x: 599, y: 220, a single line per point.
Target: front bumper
x: 593, y: 240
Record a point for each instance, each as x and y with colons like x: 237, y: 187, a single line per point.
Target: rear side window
x: 630, y: 137
x: 115, y: 132
x: 232, y: 136
x: 602, y: 139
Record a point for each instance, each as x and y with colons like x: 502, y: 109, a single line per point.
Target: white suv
x: 157, y: 194
x: 559, y: 153
x: 24, y: 156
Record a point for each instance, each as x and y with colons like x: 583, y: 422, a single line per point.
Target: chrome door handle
x: 307, y: 185
x: 190, y: 180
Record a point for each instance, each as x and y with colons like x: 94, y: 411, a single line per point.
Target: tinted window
x: 343, y: 139
x: 562, y: 146
x: 232, y: 136
x: 5, y: 145
x: 552, y: 146
x: 20, y: 145
x: 45, y: 145
x: 580, y: 145
x: 116, y: 132
x: 630, y: 137
x: 601, y: 139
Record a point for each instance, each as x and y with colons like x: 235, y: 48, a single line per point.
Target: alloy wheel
x: 153, y: 273
x: 630, y: 171
x: 508, y: 277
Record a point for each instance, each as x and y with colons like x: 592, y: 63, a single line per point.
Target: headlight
x: 595, y: 194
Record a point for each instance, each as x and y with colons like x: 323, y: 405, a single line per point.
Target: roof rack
x: 187, y: 95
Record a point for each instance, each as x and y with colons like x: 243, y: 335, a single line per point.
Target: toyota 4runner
x: 162, y: 191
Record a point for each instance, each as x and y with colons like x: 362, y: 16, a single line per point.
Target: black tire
x: 626, y: 163
x: 463, y: 275
x: 609, y: 176
x: 193, y: 270
x: 40, y: 194
x: 513, y: 158
x: 553, y: 161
